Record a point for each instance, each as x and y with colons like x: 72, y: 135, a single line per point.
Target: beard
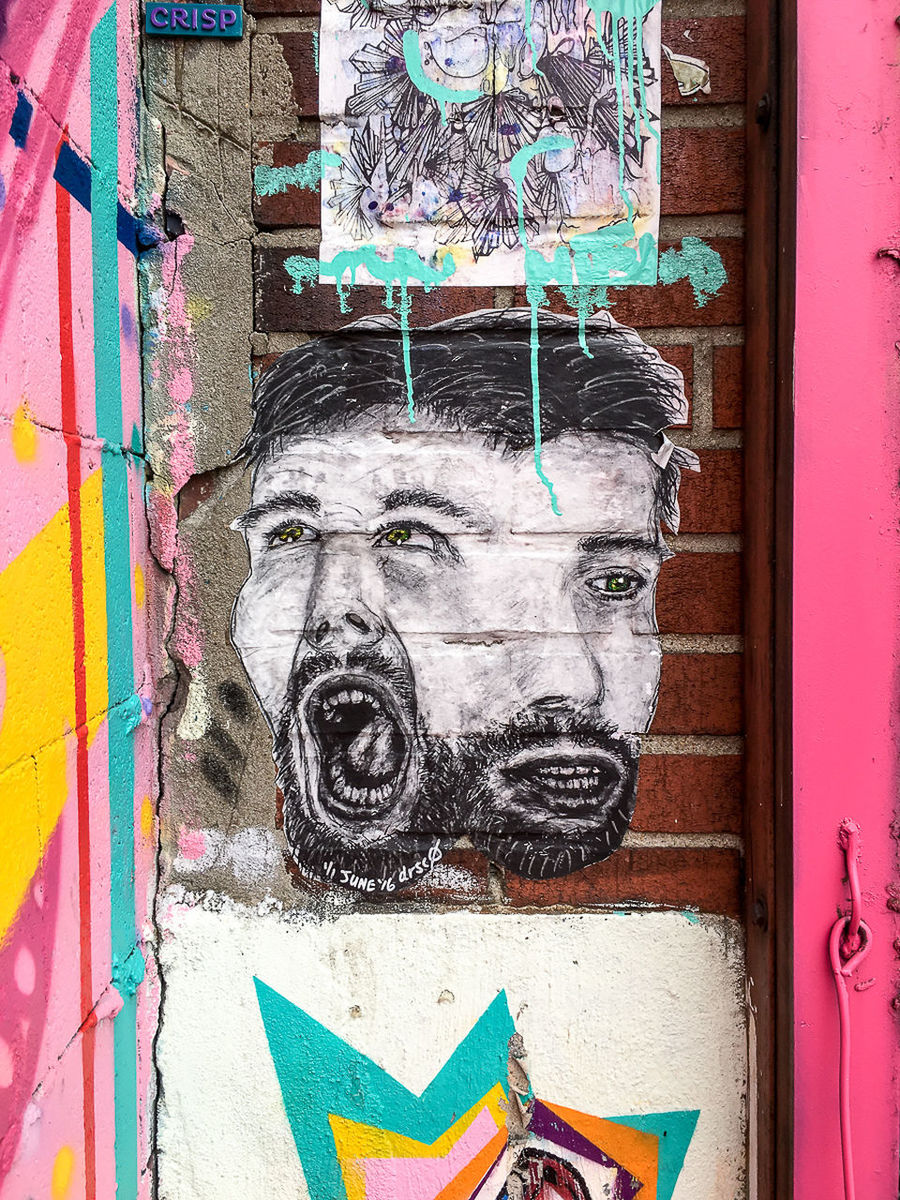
x: 372, y: 799
x: 550, y: 791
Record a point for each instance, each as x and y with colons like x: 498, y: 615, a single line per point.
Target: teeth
x: 356, y: 697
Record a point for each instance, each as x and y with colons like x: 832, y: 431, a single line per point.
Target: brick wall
x: 685, y: 845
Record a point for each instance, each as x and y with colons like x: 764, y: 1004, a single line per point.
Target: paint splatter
x: 24, y: 435
x: 699, y: 264
x: 275, y: 181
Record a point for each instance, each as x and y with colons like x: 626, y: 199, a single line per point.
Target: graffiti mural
x: 396, y: 568
x: 465, y: 135
x: 506, y: 1145
x: 76, y: 757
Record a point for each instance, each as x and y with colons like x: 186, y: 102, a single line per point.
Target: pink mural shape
x: 26, y: 962
x: 425, y: 1178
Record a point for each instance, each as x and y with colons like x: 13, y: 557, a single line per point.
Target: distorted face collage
x: 439, y: 655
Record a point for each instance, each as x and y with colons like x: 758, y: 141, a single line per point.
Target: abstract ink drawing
x: 426, y: 106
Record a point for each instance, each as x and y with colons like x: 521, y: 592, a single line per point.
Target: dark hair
x: 474, y: 373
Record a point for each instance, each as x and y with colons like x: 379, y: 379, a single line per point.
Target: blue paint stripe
x: 117, y: 555
x: 21, y: 120
x: 74, y: 174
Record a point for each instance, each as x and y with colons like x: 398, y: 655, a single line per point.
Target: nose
x: 338, y: 619
x: 342, y: 627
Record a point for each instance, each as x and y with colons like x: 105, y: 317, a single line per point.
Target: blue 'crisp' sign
x: 194, y: 20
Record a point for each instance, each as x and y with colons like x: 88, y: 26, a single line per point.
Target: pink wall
x: 77, y: 753
x: 847, y: 554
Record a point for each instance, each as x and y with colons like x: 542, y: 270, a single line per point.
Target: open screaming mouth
x: 362, y: 746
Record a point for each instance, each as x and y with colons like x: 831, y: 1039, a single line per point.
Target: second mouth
x: 566, y: 781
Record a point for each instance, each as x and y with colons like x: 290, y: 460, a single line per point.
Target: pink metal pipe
x: 847, y: 566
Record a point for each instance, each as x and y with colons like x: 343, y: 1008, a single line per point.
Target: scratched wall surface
x: 77, y: 749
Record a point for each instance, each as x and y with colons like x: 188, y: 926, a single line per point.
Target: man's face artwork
x: 439, y: 654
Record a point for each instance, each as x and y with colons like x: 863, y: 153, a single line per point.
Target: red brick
x: 728, y: 387
x: 702, y: 171
x: 700, y: 694
x: 700, y: 593
x: 682, y: 357
x: 299, y: 54
x: 295, y: 206
x: 710, y: 499
x: 317, y: 309
x: 282, y: 8
x: 689, y: 793
x: 709, y: 880
x: 720, y: 43
x: 461, y: 877
x: 674, y: 303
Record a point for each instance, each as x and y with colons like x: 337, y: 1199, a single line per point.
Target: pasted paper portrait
x: 490, y: 141
x: 449, y: 622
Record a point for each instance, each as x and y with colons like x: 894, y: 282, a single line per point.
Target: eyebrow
x: 597, y: 543
x: 283, y: 502
x: 422, y: 498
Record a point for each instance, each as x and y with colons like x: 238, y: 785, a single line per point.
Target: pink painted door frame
x: 846, y: 649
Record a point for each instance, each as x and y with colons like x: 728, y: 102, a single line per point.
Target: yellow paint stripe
x: 36, y: 643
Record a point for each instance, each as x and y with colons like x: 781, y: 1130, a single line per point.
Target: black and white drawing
x: 437, y: 652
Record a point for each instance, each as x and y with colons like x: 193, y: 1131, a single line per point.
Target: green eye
x: 409, y: 538
x: 291, y: 535
x: 398, y: 535
x: 616, y: 583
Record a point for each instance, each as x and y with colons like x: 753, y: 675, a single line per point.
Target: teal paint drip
x: 583, y: 269
x: 117, y: 563
x: 632, y: 12
x: 412, y: 56
x: 405, y: 266
x: 320, y: 1075
x: 402, y: 310
x: 275, y: 181
x: 315, y: 43
x: 674, y: 1130
x: 534, y: 290
x: 697, y: 262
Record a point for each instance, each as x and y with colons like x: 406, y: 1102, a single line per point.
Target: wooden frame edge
x: 767, y: 575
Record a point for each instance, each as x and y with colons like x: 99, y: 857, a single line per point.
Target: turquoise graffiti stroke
x: 412, y: 55
x: 699, y: 264
x: 124, y: 706
x: 275, y: 181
